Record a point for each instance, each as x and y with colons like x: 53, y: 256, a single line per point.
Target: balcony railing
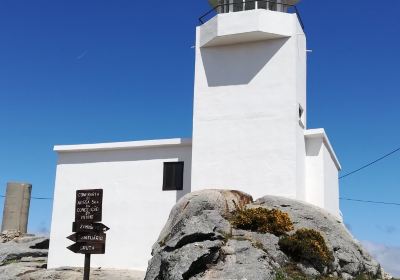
x: 231, y: 6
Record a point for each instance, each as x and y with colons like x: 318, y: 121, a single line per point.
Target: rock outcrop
x: 21, y: 254
x: 199, y: 242
x: 24, y: 257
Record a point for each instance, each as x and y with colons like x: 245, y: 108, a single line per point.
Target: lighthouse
x: 250, y: 102
x: 250, y: 134
x: 250, y: 107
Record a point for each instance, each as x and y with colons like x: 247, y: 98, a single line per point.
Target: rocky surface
x: 9, y: 235
x: 24, y: 257
x: 71, y: 274
x: 198, y: 242
x: 24, y: 250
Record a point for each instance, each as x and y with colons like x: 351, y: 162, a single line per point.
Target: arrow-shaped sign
x: 88, y: 248
x: 72, y: 237
x: 95, y: 237
x: 88, y: 227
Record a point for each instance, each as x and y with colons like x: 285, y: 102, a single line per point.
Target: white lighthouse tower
x: 250, y: 102
x: 249, y: 123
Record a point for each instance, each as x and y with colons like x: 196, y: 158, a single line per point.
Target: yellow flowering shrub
x: 307, y: 245
x: 262, y: 220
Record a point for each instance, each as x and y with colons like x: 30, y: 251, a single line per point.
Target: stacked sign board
x: 89, y: 233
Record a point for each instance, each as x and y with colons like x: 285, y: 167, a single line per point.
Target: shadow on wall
x: 153, y: 153
x: 182, y: 193
x: 187, y: 178
x: 235, y: 65
x: 313, y: 147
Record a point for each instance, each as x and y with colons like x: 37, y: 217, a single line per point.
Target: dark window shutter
x: 173, y: 176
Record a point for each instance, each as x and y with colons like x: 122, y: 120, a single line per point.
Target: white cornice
x: 320, y: 133
x: 123, y: 145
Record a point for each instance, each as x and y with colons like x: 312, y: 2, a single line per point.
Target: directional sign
x: 88, y: 227
x: 89, y: 234
x: 95, y: 237
x: 88, y: 207
x: 88, y: 248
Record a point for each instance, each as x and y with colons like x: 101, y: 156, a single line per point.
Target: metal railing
x: 231, y: 6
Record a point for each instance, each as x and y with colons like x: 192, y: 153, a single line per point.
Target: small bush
x: 280, y: 275
x: 262, y: 220
x: 292, y: 272
x: 307, y: 245
x: 365, y: 277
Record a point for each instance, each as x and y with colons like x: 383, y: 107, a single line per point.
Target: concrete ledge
x: 239, y: 27
x: 320, y: 133
x: 122, y: 145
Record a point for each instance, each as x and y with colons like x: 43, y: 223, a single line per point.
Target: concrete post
x: 16, y: 207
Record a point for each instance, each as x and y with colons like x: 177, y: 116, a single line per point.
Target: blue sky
x: 100, y: 71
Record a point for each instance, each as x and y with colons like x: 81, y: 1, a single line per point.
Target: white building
x: 249, y: 134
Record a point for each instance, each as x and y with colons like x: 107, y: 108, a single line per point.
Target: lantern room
x: 227, y: 6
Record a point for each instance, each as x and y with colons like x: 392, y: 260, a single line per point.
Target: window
x: 249, y: 5
x: 237, y: 5
x: 272, y: 5
x: 173, y: 176
x: 223, y: 5
x: 262, y: 4
x: 301, y: 117
x: 301, y: 111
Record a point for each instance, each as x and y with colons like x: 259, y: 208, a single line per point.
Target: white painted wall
x: 134, y: 205
x: 301, y: 97
x: 322, y: 171
x: 331, y: 183
x: 245, y: 126
x: 315, y: 193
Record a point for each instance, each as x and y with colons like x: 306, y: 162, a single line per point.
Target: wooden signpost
x: 89, y: 234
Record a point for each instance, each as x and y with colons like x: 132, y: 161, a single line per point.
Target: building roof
x: 310, y: 133
x: 122, y: 145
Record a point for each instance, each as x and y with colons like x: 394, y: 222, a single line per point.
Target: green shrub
x: 307, y: 245
x: 280, y: 275
x: 291, y: 271
x: 365, y: 277
x: 262, y: 220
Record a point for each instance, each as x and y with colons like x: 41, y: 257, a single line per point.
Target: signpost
x: 89, y: 234
x: 88, y: 227
x: 94, y: 237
